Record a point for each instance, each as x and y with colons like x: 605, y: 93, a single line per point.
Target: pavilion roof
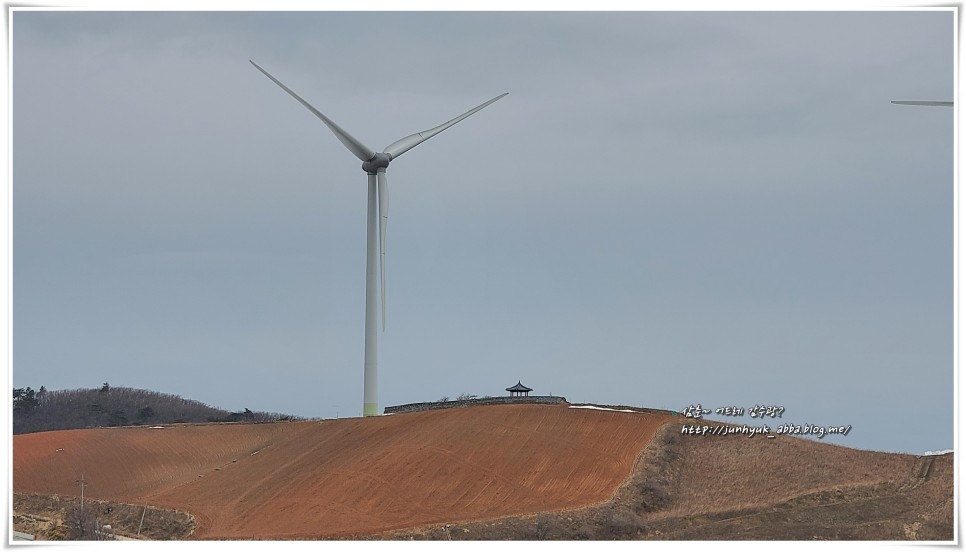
x: 519, y: 387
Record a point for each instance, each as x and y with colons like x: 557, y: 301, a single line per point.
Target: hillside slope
x: 687, y: 487
x: 789, y: 488
x: 348, y: 477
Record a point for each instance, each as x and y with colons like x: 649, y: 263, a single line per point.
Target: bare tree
x: 83, y: 524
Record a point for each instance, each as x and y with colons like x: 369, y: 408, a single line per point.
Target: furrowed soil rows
x: 348, y: 477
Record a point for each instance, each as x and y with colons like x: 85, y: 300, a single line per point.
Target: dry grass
x: 51, y: 517
x: 723, y: 473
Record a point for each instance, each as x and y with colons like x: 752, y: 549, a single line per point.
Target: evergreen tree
x: 24, y: 400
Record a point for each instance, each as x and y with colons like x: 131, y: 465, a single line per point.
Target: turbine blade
x: 383, y: 193
x: 403, y: 145
x: 355, y: 146
x: 941, y: 104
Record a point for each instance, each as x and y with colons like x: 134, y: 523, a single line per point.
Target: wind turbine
x: 375, y: 164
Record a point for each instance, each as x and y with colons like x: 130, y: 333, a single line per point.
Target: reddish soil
x: 347, y: 477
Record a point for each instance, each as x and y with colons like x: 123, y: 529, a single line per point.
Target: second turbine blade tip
x: 403, y: 145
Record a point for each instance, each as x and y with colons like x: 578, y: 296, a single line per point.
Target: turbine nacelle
x: 378, y: 161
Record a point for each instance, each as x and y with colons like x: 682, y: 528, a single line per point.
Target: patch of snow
x: 156, y: 427
x: 601, y: 408
x: 936, y: 452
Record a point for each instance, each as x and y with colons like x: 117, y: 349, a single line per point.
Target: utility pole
x: 142, y: 518
x: 82, y: 485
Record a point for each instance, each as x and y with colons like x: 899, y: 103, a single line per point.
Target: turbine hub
x: 378, y: 161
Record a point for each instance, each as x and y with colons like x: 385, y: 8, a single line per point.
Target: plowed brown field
x: 347, y: 477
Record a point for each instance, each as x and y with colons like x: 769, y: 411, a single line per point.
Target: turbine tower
x: 375, y: 164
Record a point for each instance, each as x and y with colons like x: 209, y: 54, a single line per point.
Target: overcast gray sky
x: 667, y: 209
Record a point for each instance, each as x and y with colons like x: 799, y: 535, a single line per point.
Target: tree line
x: 108, y: 406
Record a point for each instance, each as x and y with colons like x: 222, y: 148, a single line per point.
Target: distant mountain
x: 108, y: 406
